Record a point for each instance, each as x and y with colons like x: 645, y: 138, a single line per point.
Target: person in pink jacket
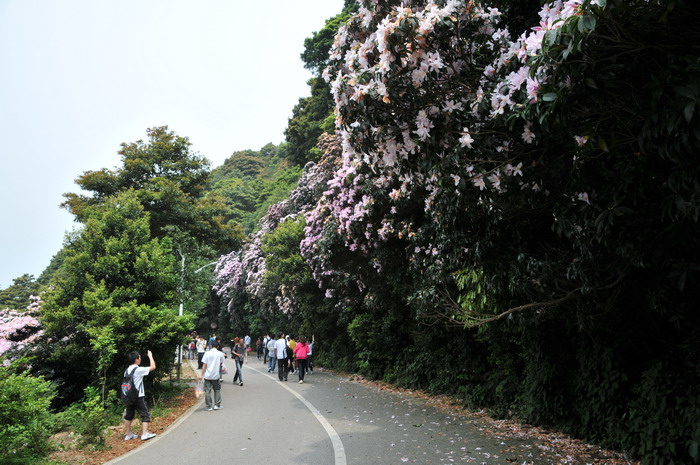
x: 301, y: 352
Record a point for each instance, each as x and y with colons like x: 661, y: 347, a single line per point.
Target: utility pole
x: 181, y: 312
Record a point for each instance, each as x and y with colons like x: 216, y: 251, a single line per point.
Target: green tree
x: 16, y: 295
x: 116, y: 291
x: 250, y: 181
x: 169, y: 181
x: 313, y: 115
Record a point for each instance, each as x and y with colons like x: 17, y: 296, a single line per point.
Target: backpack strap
x: 133, y: 380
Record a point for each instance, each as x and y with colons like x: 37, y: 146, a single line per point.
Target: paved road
x: 328, y: 420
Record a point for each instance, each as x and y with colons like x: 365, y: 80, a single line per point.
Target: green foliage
x: 114, y: 293
x: 313, y: 115
x: 308, y: 122
x: 25, y: 420
x: 16, y: 295
x: 92, y: 419
x: 316, y: 47
x: 169, y: 182
x: 285, y: 264
x: 249, y: 182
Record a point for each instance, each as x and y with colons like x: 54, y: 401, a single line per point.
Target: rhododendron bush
x: 18, y: 330
x: 455, y: 129
x: 525, y: 164
x: 242, y: 272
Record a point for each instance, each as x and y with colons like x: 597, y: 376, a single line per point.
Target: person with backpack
x: 138, y: 402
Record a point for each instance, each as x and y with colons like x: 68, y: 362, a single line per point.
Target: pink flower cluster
x: 20, y: 329
x: 244, y: 270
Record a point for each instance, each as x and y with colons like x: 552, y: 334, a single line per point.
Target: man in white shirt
x: 281, y: 351
x: 139, y: 373
x: 211, y: 366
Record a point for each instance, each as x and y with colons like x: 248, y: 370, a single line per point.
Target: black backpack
x: 127, y: 391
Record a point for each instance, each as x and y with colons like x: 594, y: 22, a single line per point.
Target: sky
x: 79, y: 77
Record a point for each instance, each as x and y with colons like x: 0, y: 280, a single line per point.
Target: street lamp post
x: 182, y: 301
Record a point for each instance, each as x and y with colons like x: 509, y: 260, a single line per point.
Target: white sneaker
x: 217, y: 408
x: 130, y: 436
x: 147, y: 436
x: 209, y: 409
x: 301, y: 381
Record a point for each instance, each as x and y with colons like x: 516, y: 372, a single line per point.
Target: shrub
x: 25, y: 420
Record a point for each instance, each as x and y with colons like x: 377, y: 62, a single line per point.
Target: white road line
x: 335, y: 439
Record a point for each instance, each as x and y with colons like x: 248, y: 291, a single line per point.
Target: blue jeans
x: 272, y: 364
x: 239, y: 371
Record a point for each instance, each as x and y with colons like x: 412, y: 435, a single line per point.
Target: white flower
x: 434, y: 61
x: 495, y: 180
x: 583, y: 197
x: 581, y: 140
x: 451, y: 106
x: 527, y: 135
x: 466, y: 140
x: 423, y: 124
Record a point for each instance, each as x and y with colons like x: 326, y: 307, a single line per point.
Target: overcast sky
x: 79, y: 77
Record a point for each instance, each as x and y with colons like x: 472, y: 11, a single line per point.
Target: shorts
x: 142, y: 407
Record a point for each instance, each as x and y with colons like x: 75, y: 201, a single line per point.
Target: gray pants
x: 210, y: 384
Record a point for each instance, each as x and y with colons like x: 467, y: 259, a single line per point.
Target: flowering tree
x: 440, y: 105
x: 541, y: 173
x: 18, y: 330
x: 244, y: 271
x: 517, y: 170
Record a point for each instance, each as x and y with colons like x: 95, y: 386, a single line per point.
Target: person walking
x: 259, y: 348
x: 281, y: 352
x: 138, y: 373
x: 201, y: 348
x: 246, y: 340
x: 301, y: 352
x: 291, y: 344
x: 266, y: 352
x: 272, y: 355
x: 238, y: 354
x: 211, y: 372
x: 191, y: 349
x: 310, y: 358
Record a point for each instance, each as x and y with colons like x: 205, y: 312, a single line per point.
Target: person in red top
x: 301, y: 352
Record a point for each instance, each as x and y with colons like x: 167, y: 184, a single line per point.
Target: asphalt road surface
x: 328, y: 420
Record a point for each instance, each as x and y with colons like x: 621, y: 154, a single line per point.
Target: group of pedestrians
x: 212, y: 368
x: 283, y: 354
x: 287, y: 356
